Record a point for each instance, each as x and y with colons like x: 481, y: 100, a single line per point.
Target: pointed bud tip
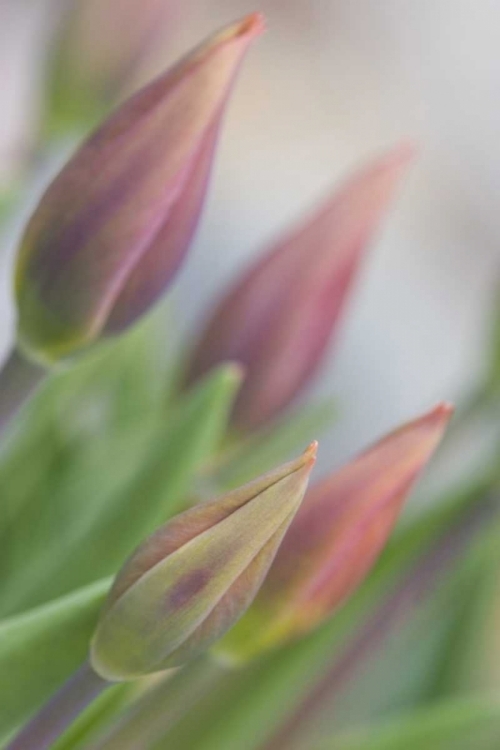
x: 338, y: 535
x: 405, y: 152
x: 233, y: 372
x: 250, y: 26
x: 254, y: 24
x: 394, y: 164
x: 188, y: 584
x: 310, y: 454
x: 440, y: 414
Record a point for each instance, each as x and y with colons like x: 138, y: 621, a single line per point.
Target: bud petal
x: 337, y: 536
x: 114, y: 226
x: 278, y: 319
x: 190, y: 582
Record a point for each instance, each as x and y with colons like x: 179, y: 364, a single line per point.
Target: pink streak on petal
x: 346, y: 520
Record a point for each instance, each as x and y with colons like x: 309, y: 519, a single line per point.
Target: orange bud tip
x: 250, y: 27
x: 310, y: 453
x: 312, y: 448
x: 442, y: 412
x: 253, y: 25
x: 445, y: 408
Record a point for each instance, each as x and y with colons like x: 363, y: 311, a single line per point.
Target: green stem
x: 162, y: 707
x: 19, y: 379
x: 61, y: 711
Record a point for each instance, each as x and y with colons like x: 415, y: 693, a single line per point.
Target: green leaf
x: 454, y: 725
x: 267, y: 693
x: 8, y: 200
x: 247, y: 457
x: 41, y: 648
x: 89, y: 725
x: 465, y: 664
x: 117, y: 388
x: 141, y: 723
x: 117, y: 493
x: 38, y: 547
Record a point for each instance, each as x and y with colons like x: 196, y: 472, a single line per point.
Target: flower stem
x: 159, y: 709
x: 61, y: 710
x: 19, y: 378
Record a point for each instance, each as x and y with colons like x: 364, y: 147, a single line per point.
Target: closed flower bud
x: 189, y: 583
x: 114, y: 226
x: 279, y: 318
x: 336, y: 537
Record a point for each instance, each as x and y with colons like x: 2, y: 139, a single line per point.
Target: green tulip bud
x: 193, y: 579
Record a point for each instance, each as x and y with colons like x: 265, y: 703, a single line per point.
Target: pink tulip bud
x: 114, y: 226
x: 338, y: 534
x: 279, y: 318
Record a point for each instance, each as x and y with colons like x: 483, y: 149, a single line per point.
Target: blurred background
x: 331, y: 83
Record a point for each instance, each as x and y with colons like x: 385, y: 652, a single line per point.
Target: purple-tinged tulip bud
x: 338, y: 534
x: 114, y: 226
x: 102, y: 43
x: 189, y: 583
x: 280, y: 317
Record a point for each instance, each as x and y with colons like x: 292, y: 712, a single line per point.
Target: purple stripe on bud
x: 192, y: 580
x: 114, y: 226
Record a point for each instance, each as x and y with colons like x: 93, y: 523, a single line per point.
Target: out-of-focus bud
x: 189, y: 583
x: 114, y: 226
x: 336, y: 537
x: 280, y: 317
x: 100, y: 46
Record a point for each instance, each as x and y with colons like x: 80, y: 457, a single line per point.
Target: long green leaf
x: 265, y: 694
x: 250, y: 456
x: 41, y: 648
x: 117, y: 493
x: 465, y: 724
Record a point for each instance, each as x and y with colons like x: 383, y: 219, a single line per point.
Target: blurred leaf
x: 115, y: 494
x: 455, y: 725
x: 141, y: 724
x: 392, y: 666
x: 82, y: 488
x: 251, y: 456
x: 466, y: 662
x: 7, y: 202
x: 267, y: 693
x: 117, y: 388
x: 41, y: 648
x: 98, y: 715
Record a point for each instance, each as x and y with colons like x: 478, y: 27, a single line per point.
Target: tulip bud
x: 336, y: 537
x: 279, y: 318
x: 189, y: 583
x: 114, y: 226
x: 100, y: 45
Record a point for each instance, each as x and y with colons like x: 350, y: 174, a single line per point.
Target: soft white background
x: 331, y: 83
